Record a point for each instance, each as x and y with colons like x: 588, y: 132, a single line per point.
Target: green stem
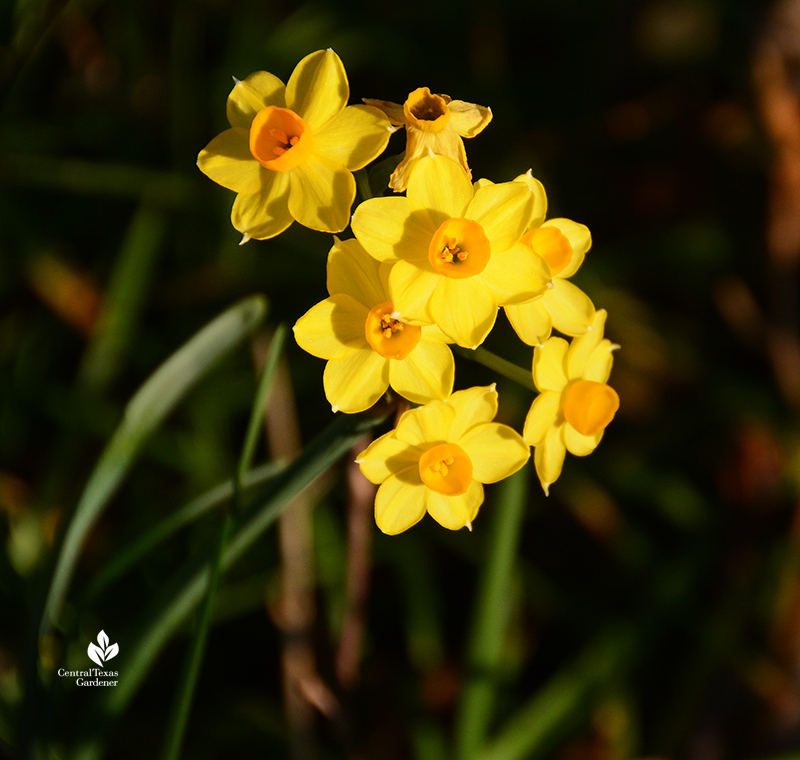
x: 191, y: 673
x: 493, y: 609
x: 498, y: 364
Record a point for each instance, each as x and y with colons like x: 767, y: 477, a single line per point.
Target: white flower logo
x: 100, y: 654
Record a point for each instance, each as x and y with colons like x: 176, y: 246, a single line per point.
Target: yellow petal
x: 542, y: 416
x: 249, y: 96
x: 474, y: 406
x: 584, y: 345
x: 580, y: 445
x: 400, y: 502
x: 549, y: 457
x: 353, y: 271
x: 464, y: 310
x: 579, y: 238
x: 410, y: 288
x: 516, y: 275
x: 321, y: 193
x: 354, y: 137
x: 442, y: 186
x: 393, y: 111
x: 426, y: 425
x: 264, y: 214
x: 598, y: 365
x: 455, y: 512
x: 318, y: 90
x: 427, y: 373
x: 531, y: 321
x: 504, y: 211
x: 356, y: 381
x: 550, y: 365
x: 228, y: 161
x: 570, y: 308
x: 496, y: 451
x: 393, y: 228
x: 333, y: 328
x: 386, y: 456
x: 468, y: 119
x: 539, y: 198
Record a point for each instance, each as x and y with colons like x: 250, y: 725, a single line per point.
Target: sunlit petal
x: 354, y: 137
x: 468, y: 119
x: 496, y: 451
x: 455, y: 512
x: 550, y: 365
x: 400, y: 501
x: 356, y: 381
x: 249, y: 96
x: 441, y: 186
x: 333, y: 328
x: 353, y: 271
x: 570, y: 308
x: 543, y: 415
x: 539, y: 198
x: 516, y: 275
x: 504, y: 211
x: 228, y: 161
x: 474, y: 406
x: 531, y: 321
x: 264, y: 214
x: 549, y: 457
x: 584, y: 345
x: 580, y: 445
x: 321, y: 194
x: 318, y: 90
x: 410, y: 288
x: 579, y: 238
x: 387, y: 455
x: 464, y: 310
x: 427, y: 425
x: 427, y: 373
x: 393, y: 228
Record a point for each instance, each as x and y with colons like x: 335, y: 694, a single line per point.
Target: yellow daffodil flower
x: 291, y: 150
x: 563, y: 244
x: 437, y: 459
x: 366, y: 347
x: 434, y: 123
x: 452, y: 249
x: 575, y: 403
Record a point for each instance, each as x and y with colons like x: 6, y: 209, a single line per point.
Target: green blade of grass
x: 188, y: 682
x: 144, y: 413
x: 185, y: 592
x: 561, y: 704
x: 498, y: 364
x: 493, y: 609
x: 126, y: 559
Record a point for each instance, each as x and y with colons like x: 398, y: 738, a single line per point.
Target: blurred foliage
x: 649, y: 607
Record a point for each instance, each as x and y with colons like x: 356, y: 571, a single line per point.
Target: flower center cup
x: 426, y: 111
x: 390, y: 337
x: 459, y: 249
x: 279, y: 139
x: 446, y: 469
x: 590, y: 406
x: 552, y: 245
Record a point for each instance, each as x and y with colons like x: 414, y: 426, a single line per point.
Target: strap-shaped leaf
x: 144, y: 413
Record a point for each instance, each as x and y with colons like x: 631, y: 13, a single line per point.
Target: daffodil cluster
x: 430, y: 265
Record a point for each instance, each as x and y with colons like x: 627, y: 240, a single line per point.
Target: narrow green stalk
x: 498, y: 364
x: 493, y: 609
x: 191, y: 672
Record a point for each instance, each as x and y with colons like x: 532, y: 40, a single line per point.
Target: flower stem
x: 498, y: 364
x: 362, y: 182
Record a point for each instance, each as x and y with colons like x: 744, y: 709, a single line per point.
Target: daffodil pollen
x: 390, y: 337
x: 459, y: 249
x: 552, y: 245
x: 589, y: 406
x: 279, y: 139
x: 447, y: 469
x: 426, y: 111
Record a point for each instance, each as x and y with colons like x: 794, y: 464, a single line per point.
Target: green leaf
x: 144, y: 413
